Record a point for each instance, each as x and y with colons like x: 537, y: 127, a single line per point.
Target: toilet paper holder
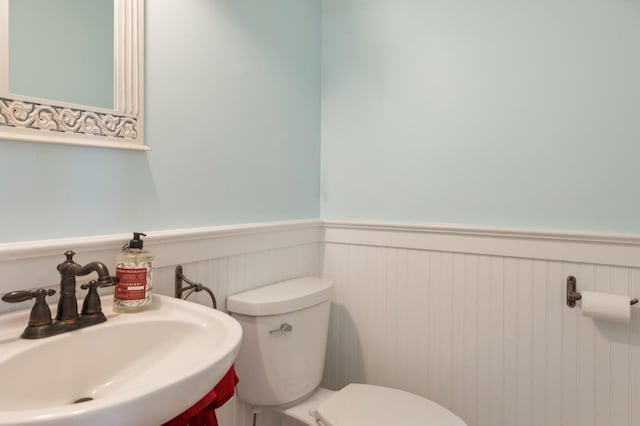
x: 573, y: 295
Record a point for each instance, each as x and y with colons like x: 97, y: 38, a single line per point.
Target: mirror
x: 75, y: 53
x: 71, y: 72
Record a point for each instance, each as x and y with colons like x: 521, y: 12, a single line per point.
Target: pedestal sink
x: 135, y: 369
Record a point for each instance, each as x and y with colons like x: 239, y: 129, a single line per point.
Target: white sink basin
x: 140, y: 369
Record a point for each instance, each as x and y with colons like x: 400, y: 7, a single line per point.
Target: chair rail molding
x: 32, y: 263
x: 596, y: 248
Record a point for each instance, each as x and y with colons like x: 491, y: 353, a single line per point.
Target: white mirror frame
x: 24, y: 118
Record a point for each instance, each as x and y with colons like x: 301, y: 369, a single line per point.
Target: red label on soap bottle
x: 132, y: 283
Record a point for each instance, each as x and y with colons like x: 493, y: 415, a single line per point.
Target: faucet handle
x: 40, y: 313
x: 90, y: 285
x: 91, y: 304
x: 24, y: 295
x: 108, y: 282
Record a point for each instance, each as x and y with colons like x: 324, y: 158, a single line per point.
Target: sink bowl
x: 135, y: 369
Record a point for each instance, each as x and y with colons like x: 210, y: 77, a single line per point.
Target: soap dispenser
x: 134, y: 270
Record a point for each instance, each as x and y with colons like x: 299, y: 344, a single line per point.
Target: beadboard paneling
x: 227, y: 259
x: 473, y: 319
x: 488, y: 337
x: 32, y: 264
x: 233, y: 274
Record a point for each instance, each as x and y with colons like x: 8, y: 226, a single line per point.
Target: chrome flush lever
x: 284, y: 328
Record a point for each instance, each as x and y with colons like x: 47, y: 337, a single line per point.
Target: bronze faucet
x: 67, y: 318
x: 69, y: 270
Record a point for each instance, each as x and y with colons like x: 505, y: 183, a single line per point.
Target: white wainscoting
x: 227, y: 259
x: 233, y: 274
x: 476, y: 320
x: 32, y: 264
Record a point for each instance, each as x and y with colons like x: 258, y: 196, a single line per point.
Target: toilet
x: 281, y: 360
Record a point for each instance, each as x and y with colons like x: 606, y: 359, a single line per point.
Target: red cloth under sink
x: 202, y: 413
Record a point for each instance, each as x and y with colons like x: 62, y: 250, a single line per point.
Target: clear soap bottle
x: 134, y: 270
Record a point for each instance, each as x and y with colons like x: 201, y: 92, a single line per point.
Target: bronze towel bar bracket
x: 191, y: 287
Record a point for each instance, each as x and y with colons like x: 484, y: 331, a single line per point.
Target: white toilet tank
x: 284, y: 339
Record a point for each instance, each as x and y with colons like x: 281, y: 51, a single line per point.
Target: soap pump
x: 134, y: 270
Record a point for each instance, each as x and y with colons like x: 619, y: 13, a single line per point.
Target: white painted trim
x: 68, y: 105
x: 447, y: 228
x: 607, y: 249
x: 138, y: 71
x: 129, y: 52
x: 42, y: 248
x: 49, y: 137
x: 32, y: 264
x: 4, y: 46
x: 119, y: 54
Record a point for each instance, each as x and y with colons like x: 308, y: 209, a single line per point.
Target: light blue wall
x: 232, y: 116
x: 519, y: 114
x: 493, y: 112
x: 62, y: 50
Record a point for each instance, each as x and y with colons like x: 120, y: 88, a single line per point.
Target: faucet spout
x: 99, y: 268
x: 69, y: 270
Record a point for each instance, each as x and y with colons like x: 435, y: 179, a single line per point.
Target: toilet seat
x: 370, y: 405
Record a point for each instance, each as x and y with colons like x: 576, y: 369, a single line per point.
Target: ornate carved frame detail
x: 30, y: 119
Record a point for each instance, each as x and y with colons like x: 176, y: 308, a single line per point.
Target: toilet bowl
x: 281, y: 360
x: 370, y: 405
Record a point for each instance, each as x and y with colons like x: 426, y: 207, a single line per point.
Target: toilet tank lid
x: 282, y: 297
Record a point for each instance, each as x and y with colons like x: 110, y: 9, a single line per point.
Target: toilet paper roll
x: 604, y: 306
